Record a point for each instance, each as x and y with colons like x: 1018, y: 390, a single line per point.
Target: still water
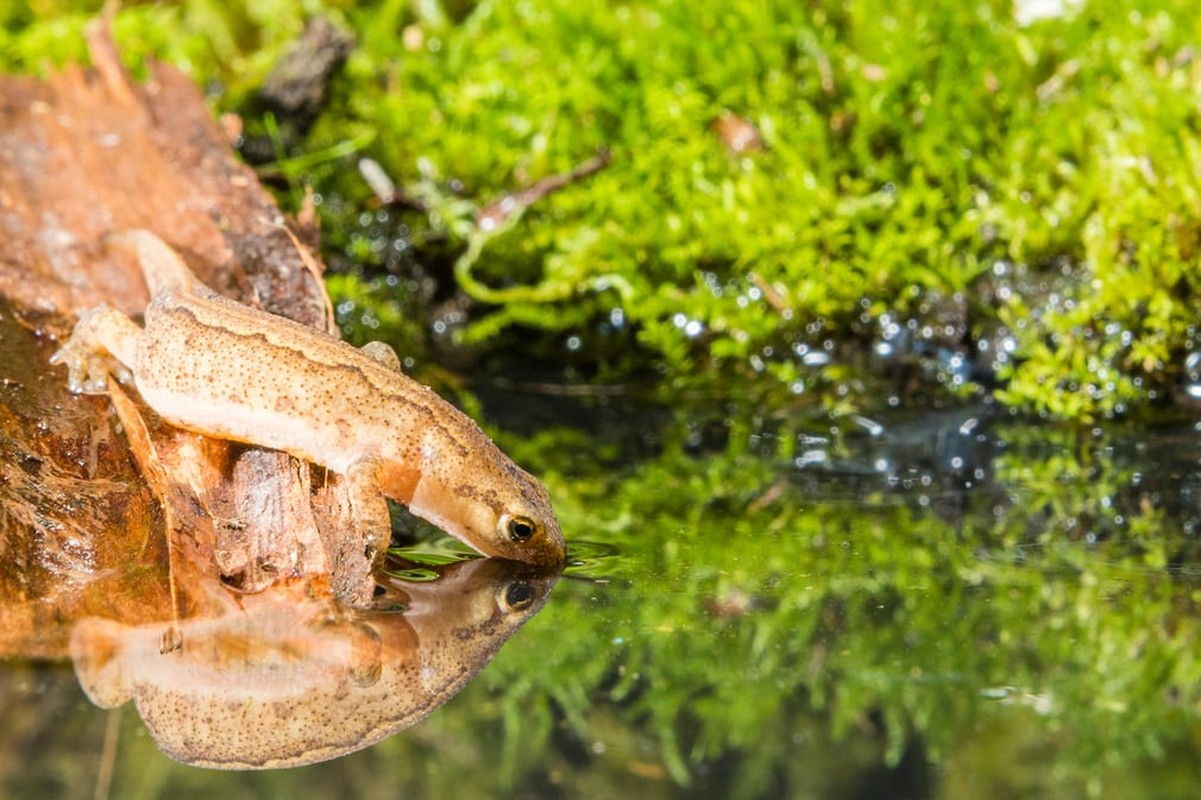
x: 945, y: 604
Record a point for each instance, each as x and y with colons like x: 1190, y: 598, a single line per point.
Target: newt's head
x: 479, y: 496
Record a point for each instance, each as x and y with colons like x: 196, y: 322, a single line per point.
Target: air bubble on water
x: 811, y: 458
x: 870, y: 425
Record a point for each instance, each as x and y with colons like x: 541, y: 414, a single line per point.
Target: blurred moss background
x: 936, y: 199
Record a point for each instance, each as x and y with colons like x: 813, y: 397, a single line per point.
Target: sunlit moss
x: 894, y: 169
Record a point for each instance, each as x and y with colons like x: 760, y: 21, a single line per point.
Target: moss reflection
x: 1057, y: 600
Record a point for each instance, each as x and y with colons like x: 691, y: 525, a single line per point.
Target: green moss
x: 900, y: 173
x: 896, y: 169
x: 226, y: 44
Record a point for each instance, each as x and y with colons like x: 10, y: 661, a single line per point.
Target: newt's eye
x: 519, y: 595
x: 519, y: 529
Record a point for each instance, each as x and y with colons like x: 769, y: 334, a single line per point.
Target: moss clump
x: 1014, y: 206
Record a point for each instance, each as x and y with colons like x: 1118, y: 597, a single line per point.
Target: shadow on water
x: 907, y: 605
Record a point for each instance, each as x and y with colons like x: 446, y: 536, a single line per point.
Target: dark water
x: 943, y: 604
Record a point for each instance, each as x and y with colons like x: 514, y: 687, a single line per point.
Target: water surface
x: 938, y: 604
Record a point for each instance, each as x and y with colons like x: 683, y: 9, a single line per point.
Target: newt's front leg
x: 356, y: 538
x: 368, y: 507
x: 104, y: 341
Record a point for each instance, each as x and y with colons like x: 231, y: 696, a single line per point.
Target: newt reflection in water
x: 281, y: 681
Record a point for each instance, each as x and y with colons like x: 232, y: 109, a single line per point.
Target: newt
x: 278, y: 680
x: 211, y: 365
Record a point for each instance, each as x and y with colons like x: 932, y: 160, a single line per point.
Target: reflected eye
x: 519, y: 529
x: 519, y: 595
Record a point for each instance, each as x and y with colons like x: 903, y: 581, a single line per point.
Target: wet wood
x: 295, y: 90
x: 80, y: 531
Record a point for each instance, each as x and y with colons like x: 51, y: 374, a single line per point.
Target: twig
x: 497, y: 212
